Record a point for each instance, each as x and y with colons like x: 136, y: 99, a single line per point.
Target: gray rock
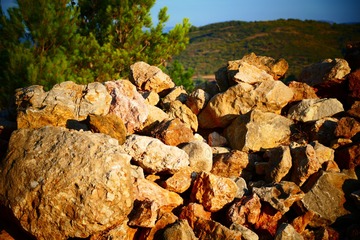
x: 61, y: 183
x: 287, y: 232
x: 200, y: 155
x: 179, y: 230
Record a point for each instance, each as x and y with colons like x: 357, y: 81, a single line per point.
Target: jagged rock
x: 192, y: 212
x: 324, y: 192
x: 212, y: 191
x: 305, y: 163
x: 323, y: 71
x: 143, y: 214
x: 258, y: 130
x: 354, y: 110
x: 268, y: 221
x: 301, y: 222
x: 179, y: 230
x: 246, y: 233
x: 173, y: 132
x: 354, y: 84
x: 122, y: 231
x: 348, y: 157
x: 280, y: 195
x: 180, y: 181
x: 347, y: 127
x: 200, y: 155
x: 150, y: 78
x: 151, y: 98
x: 323, y: 130
x: 323, y: 153
x: 209, y: 229
x: 128, y: 104
x: 109, y: 124
x: 153, y: 155
x: 279, y: 163
x: 251, y: 74
x: 164, y: 219
x: 245, y: 211
x: 65, y: 101
x: 72, y: 184
x: 242, y: 187
x: 302, y: 91
x: 216, y: 140
x: 287, y: 232
x: 230, y: 164
x: 315, y: 109
x: 156, y: 116
x: 197, y: 100
x: 270, y: 96
x: 150, y: 191
x: 176, y: 109
x: 178, y: 93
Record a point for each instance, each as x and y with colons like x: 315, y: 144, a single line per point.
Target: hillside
x: 299, y: 42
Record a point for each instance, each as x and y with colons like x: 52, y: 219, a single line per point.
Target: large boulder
x: 61, y: 183
x: 65, y: 101
x: 269, y: 96
x: 150, y: 78
x: 128, y: 104
x: 323, y: 71
x: 258, y: 130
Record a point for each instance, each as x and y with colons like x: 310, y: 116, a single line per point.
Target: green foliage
x: 299, y: 42
x: 180, y: 75
x: 94, y: 40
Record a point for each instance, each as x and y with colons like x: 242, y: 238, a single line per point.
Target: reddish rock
x: 164, y: 220
x: 354, y: 111
x: 347, y: 127
x: 245, y: 211
x: 193, y: 211
x: 173, y: 132
x: 180, y: 181
x: 268, y: 221
x: 302, y: 91
x: 209, y: 229
x: 179, y: 230
x: 348, y: 157
x: 354, y: 84
x: 143, y: 214
x: 177, y: 109
x: 300, y: 222
x: 213, y: 192
x: 334, y: 88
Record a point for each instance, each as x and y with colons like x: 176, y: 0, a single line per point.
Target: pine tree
x: 48, y: 42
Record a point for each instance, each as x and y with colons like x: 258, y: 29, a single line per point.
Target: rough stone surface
x: 122, y: 231
x: 270, y: 96
x: 216, y: 140
x: 145, y: 190
x: 154, y: 156
x: 280, y: 195
x: 179, y: 110
x: 258, y: 130
x: 151, y: 98
x: 109, y: 124
x: 348, y: 157
x: 323, y: 153
x: 315, y: 109
x: 173, y: 132
x: 209, y: 229
x: 128, y: 104
x: 347, y: 127
x: 212, y: 191
x: 354, y: 84
x: 61, y: 183
x: 323, y: 194
x: 143, y: 214
x: 165, y: 219
x: 246, y: 233
x: 323, y: 71
x: 180, y: 181
x: 230, y: 164
x: 200, y: 155
x: 354, y: 110
x: 279, y: 163
x: 197, y: 100
x: 150, y: 78
x: 287, y: 232
x: 179, y: 230
x: 268, y: 221
x: 156, y: 116
x: 302, y: 91
x: 245, y: 211
x: 323, y: 130
x: 305, y: 163
x: 178, y: 93
x: 64, y: 102
x: 251, y: 74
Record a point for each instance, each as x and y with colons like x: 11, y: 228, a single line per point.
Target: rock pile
x: 144, y: 159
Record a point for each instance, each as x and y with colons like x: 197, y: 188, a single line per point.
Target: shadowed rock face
x: 147, y: 160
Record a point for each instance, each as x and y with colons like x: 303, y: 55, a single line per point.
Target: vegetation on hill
x: 298, y: 42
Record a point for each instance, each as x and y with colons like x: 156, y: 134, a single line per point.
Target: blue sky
x: 202, y: 12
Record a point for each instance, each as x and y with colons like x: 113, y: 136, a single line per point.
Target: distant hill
x: 299, y: 42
